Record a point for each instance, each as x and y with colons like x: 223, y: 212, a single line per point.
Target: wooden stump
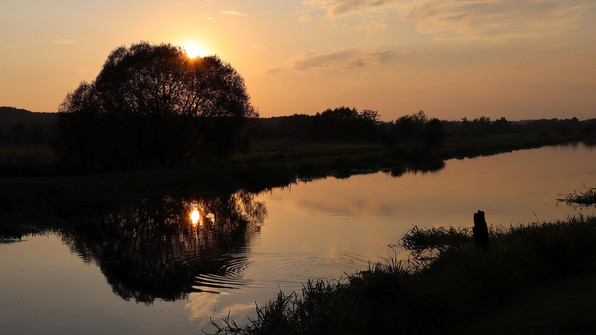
x: 480, y: 229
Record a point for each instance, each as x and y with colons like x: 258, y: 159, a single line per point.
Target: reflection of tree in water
x: 154, y: 251
x: 428, y: 167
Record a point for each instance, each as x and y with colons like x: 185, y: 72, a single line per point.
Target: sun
x: 194, y: 50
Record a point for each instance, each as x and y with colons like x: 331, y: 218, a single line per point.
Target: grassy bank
x: 369, y: 154
x: 34, y: 192
x: 531, y: 279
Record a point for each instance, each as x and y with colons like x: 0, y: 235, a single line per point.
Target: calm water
x: 154, y: 269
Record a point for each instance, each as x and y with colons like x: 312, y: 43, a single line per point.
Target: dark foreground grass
x: 531, y: 279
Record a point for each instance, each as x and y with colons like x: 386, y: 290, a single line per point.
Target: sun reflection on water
x: 195, y: 217
x: 199, y: 215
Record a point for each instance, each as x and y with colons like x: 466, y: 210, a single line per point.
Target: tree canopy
x: 153, y: 105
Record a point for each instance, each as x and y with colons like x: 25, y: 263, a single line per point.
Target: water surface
x: 152, y: 269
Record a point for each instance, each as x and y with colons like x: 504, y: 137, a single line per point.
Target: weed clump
x: 587, y: 198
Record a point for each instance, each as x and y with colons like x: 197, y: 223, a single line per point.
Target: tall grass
x: 586, y: 198
x: 458, y: 284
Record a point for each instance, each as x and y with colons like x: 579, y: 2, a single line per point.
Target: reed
x: 586, y: 198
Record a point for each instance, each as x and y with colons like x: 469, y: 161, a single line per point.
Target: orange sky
x: 452, y: 58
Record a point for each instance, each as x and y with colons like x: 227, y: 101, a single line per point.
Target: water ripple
x: 281, y: 270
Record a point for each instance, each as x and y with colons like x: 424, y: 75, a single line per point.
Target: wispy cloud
x: 374, y: 26
x: 338, y: 60
x: 337, y: 8
x: 495, y: 21
x: 232, y: 12
x: 63, y: 41
x: 304, y: 18
x: 273, y: 69
x: 208, y: 18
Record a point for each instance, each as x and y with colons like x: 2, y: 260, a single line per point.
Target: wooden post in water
x: 480, y: 229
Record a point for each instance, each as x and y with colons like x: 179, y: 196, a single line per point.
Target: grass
x: 463, y: 147
x: 18, y: 159
x: 586, y: 198
x: 534, y: 279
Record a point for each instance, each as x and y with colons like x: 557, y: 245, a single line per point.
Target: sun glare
x: 194, y: 50
x: 195, y: 216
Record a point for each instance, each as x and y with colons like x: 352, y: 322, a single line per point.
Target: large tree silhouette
x: 153, y: 105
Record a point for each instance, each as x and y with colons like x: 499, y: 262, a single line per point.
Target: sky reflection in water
x: 250, y: 246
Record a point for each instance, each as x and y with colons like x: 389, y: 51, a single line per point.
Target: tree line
x: 153, y: 106
x: 338, y: 124
x: 347, y: 124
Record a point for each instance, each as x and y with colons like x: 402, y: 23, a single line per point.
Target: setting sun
x: 194, y: 50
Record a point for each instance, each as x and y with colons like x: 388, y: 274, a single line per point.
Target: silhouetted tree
x: 345, y: 123
x: 433, y: 132
x: 501, y: 126
x: 153, y: 105
x: 414, y: 129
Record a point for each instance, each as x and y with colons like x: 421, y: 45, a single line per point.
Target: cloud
x: 232, y: 12
x: 343, y: 59
x: 273, y: 69
x: 334, y: 59
x: 304, y: 18
x: 337, y: 8
x: 494, y: 21
x: 208, y: 18
x: 386, y: 55
x: 374, y: 26
x: 63, y: 41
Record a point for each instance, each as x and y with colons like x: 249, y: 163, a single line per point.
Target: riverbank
x: 44, y: 199
x: 533, y: 279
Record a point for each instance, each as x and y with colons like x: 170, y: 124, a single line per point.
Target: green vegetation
x: 531, y: 279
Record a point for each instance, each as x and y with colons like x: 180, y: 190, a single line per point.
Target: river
x: 158, y: 268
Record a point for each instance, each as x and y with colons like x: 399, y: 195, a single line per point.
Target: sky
x: 519, y: 59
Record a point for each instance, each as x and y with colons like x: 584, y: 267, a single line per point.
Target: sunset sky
x: 451, y: 58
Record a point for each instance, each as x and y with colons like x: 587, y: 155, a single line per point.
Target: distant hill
x: 20, y: 126
x: 11, y: 116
